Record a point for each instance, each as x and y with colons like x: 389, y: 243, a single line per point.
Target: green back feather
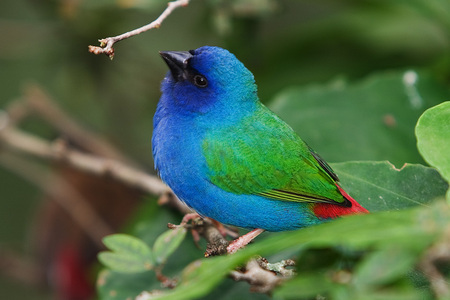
x: 262, y: 155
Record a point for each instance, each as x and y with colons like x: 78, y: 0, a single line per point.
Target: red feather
x: 326, y: 211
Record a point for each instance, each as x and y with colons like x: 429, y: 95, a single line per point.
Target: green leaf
x: 118, y: 286
x: 384, y: 266
x: 202, y: 276
x: 147, y: 224
x: 423, y: 225
x: 167, y: 243
x: 433, y: 138
x: 304, y: 286
x: 373, y: 119
x: 381, y: 186
x: 129, y: 254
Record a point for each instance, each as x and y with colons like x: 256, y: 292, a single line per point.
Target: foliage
x: 366, y: 257
x: 371, y: 256
x: 129, y: 254
x: 380, y: 112
x: 433, y: 136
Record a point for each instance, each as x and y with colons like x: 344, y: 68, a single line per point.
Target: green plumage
x: 262, y: 155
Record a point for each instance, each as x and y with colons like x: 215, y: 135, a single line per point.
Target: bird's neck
x: 226, y: 111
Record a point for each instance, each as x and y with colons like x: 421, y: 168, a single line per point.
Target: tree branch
x: 106, y: 44
x: 18, y: 141
x: 261, y: 276
x: 58, y: 151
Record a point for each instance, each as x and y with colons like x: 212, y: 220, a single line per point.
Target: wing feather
x: 263, y: 156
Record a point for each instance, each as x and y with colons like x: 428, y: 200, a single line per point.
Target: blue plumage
x: 209, y: 97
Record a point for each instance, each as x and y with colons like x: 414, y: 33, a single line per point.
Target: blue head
x: 206, y: 80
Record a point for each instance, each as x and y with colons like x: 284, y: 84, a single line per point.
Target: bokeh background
x: 313, y: 46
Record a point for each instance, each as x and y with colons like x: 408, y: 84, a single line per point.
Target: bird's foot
x: 215, y: 240
x: 184, y: 221
x: 189, y: 217
x: 242, y: 241
x: 224, y: 231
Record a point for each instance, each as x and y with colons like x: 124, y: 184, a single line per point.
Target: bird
x: 229, y: 158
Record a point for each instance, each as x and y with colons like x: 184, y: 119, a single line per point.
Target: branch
x: 256, y: 273
x: 18, y: 141
x: 99, y: 164
x: 58, y: 151
x: 106, y: 44
x: 261, y: 275
x: 217, y: 244
x: 105, y: 160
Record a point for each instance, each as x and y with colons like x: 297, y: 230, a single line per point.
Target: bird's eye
x: 200, y: 81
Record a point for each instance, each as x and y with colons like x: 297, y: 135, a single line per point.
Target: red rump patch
x: 325, y: 210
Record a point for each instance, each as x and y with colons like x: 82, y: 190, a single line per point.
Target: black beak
x: 177, y: 61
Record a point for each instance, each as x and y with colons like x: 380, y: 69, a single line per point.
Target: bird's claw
x: 184, y: 223
x: 238, y: 243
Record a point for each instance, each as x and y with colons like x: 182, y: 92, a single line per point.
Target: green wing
x: 263, y: 156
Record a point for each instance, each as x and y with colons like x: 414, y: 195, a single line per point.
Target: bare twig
x: 279, y: 267
x: 14, y: 114
x: 206, y: 227
x: 59, y: 152
x: 261, y: 278
x: 165, y: 281
x: 217, y: 244
x: 106, y: 44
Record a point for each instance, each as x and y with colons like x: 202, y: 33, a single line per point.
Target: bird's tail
x: 327, y: 211
x: 356, y: 207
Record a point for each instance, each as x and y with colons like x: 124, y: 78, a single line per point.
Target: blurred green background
x: 320, y: 45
